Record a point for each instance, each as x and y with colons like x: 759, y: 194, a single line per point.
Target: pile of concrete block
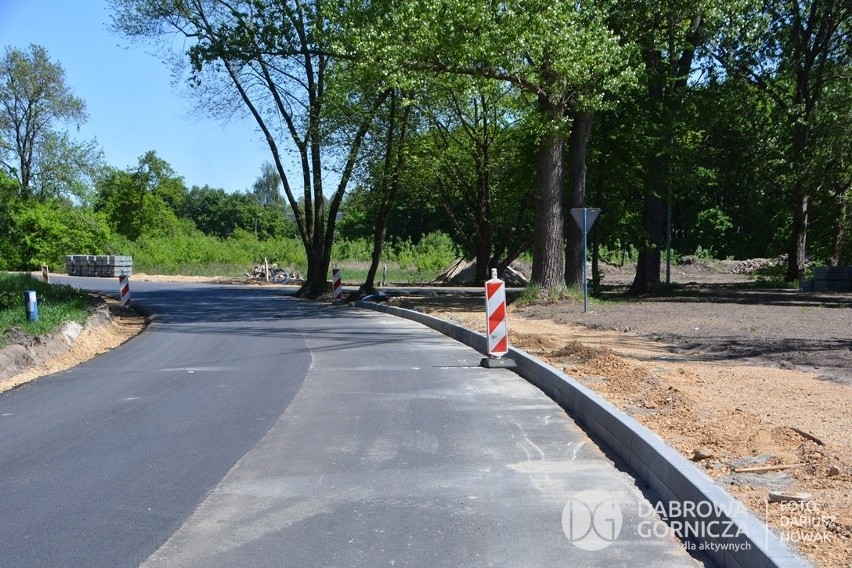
x: 98, y: 265
x: 829, y: 279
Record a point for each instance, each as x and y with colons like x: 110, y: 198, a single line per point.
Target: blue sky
x: 131, y: 102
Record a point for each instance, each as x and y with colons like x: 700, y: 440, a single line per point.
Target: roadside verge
x: 107, y: 326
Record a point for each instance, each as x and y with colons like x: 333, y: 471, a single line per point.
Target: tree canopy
x: 35, y: 103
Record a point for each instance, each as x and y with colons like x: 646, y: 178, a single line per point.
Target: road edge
x: 668, y: 474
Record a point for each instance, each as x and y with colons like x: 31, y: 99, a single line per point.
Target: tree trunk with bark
x: 389, y: 184
x: 576, y: 196
x: 798, y: 234
x: 839, y: 227
x: 548, y: 269
x: 648, y: 265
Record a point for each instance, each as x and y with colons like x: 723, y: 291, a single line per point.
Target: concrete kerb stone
x: 671, y: 476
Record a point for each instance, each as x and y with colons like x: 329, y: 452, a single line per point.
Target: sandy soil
x: 730, y: 377
x: 122, y: 325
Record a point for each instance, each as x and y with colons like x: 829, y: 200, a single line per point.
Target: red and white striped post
x: 124, y: 290
x: 497, y: 328
x: 336, y: 289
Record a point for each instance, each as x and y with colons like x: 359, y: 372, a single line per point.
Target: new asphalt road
x: 248, y: 428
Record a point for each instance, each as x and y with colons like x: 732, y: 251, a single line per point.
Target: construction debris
x: 268, y: 271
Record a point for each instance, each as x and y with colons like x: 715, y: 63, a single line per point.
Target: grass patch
x: 56, y: 305
x: 535, y: 294
x: 195, y: 269
x: 356, y: 272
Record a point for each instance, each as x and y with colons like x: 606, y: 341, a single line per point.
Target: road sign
x: 585, y: 217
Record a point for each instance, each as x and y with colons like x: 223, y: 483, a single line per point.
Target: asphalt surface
x: 249, y: 428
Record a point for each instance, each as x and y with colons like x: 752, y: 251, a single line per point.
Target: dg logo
x: 592, y: 520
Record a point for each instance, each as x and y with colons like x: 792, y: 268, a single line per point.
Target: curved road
x: 246, y: 427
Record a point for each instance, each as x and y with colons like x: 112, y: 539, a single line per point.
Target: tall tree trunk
x: 839, y: 227
x: 484, y: 217
x: 668, y: 75
x: 548, y: 269
x: 576, y: 196
x: 390, y: 188
x: 798, y: 234
x: 484, y: 222
x: 799, y: 193
x: 648, y: 265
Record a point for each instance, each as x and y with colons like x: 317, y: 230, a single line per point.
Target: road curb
x: 668, y: 474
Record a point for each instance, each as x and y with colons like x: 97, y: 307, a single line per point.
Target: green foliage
x: 358, y: 249
x: 56, y: 305
x: 142, y: 201
x: 194, y: 253
x: 35, y: 103
x: 432, y: 253
x: 771, y: 275
x: 712, y: 225
x: 44, y: 232
x: 704, y: 253
x: 221, y: 214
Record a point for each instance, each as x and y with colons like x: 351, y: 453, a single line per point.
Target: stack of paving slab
x: 829, y: 279
x: 98, y: 265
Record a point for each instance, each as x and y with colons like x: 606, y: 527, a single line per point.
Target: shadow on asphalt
x: 260, y: 312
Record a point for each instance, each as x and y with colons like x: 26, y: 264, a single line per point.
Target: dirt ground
x: 123, y: 324
x: 731, y: 377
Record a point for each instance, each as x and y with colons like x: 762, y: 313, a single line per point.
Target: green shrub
x: 435, y: 252
x: 44, y: 232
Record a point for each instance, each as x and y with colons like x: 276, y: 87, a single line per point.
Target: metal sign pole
x: 585, y: 256
x: 585, y: 217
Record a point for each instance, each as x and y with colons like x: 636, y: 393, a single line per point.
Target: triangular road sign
x: 590, y: 214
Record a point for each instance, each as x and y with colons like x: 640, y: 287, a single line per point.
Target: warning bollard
x: 31, y: 305
x: 336, y: 289
x: 124, y: 290
x: 497, y: 328
x: 45, y: 274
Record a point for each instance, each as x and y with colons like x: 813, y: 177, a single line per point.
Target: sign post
x: 585, y: 217
x: 31, y: 305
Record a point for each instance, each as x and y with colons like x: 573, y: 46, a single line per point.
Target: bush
x: 435, y: 251
x: 44, y: 232
x: 194, y: 253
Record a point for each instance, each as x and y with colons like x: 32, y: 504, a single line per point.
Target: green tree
x: 267, y: 187
x: 141, y: 201
x: 481, y: 166
x: 385, y: 176
x: 271, y: 60
x: 796, y: 53
x: 47, y: 231
x: 35, y: 101
x: 563, y: 55
x: 668, y: 36
x: 221, y: 214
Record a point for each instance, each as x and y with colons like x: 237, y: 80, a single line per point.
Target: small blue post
x: 31, y: 304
